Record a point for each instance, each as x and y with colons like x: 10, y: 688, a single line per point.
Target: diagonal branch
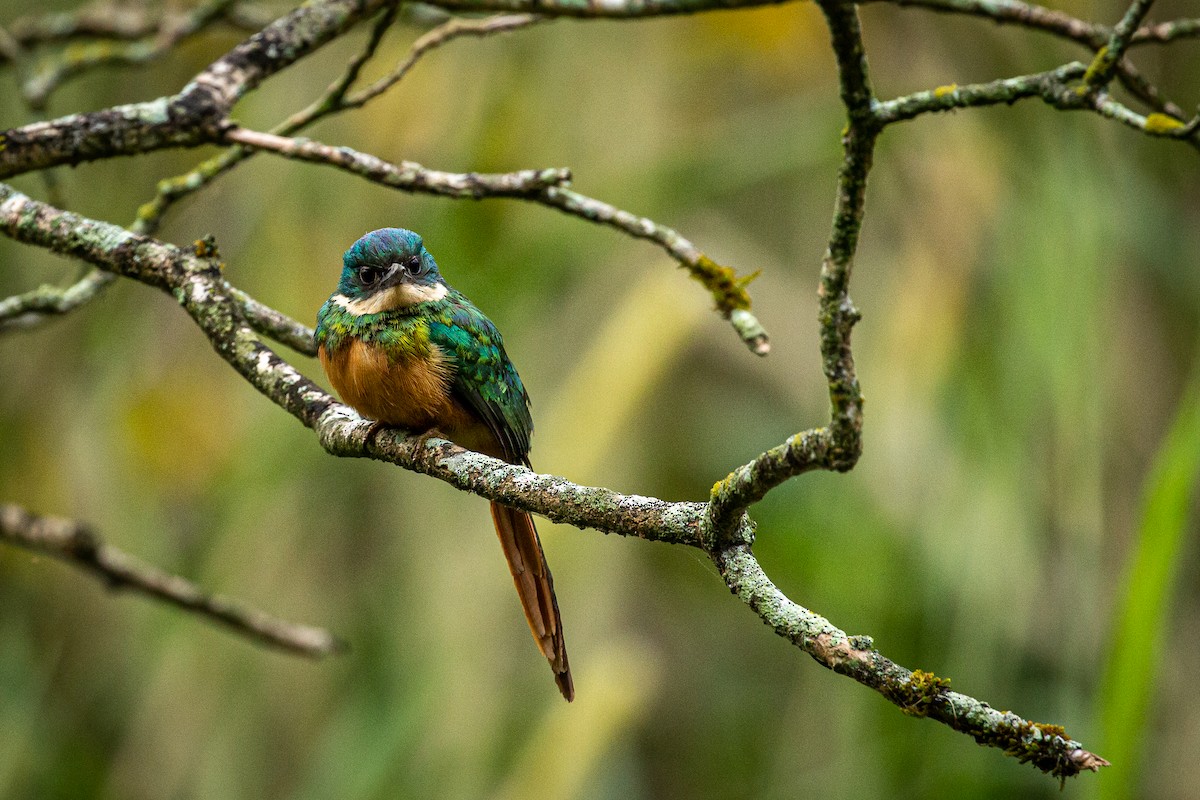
x: 75, y: 544
x: 45, y: 302
x: 1108, y: 57
x: 407, y: 175
x: 545, y: 186
x: 1058, y: 23
x: 53, y: 71
x: 105, y: 20
x: 194, y: 116
x: 917, y: 693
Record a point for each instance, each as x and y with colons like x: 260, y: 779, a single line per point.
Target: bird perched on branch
x: 404, y: 348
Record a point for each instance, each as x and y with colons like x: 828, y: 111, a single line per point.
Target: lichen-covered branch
x: 749, y: 483
x: 46, y: 302
x: 275, y: 325
x: 1047, y: 85
x: 546, y: 186
x: 1108, y: 57
x: 1166, y: 32
x: 197, y: 114
x: 52, y: 72
x: 917, y: 693
x: 836, y: 311
x: 76, y: 544
x: 601, y: 9
x: 408, y: 176
x: 728, y: 289
x: 1032, y: 16
x: 1092, y: 35
x: 1058, y: 87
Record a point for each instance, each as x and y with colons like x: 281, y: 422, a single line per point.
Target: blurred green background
x: 1019, y: 520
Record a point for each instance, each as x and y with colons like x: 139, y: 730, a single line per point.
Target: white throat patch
x: 399, y: 296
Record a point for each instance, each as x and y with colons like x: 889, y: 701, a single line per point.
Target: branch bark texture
x: 75, y: 543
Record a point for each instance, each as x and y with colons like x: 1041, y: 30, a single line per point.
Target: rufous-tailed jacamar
x: 405, y: 349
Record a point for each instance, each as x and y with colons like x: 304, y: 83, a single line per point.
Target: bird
x: 404, y: 348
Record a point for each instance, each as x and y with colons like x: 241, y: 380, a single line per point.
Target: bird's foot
x: 424, y: 436
x: 374, y: 431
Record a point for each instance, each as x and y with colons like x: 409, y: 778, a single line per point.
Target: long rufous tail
x: 535, y: 586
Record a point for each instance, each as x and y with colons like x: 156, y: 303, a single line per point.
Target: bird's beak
x: 391, y: 276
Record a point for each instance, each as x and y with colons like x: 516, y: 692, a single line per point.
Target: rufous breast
x: 409, y: 392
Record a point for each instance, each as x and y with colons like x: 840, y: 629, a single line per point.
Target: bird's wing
x: 488, y: 384
x: 486, y: 380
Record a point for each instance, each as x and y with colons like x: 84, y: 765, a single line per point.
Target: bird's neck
x: 403, y: 331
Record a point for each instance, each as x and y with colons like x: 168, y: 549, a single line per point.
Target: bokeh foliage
x: 1029, y: 295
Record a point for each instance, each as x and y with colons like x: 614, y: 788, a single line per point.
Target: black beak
x: 391, y: 276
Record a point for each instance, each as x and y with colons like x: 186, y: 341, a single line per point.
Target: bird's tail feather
x: 535, y: 586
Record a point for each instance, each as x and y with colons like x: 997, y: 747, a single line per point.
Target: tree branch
x: 407, y: 175
x: 46, y: 302
x: 196, y: 115
x: 54, y: 71
x: 105, y: 20
x: 1101, y: 72
x: 545, y: 186
x: 1058, y: 23
x: 75, y: 544
x: 602, y: 9
x: 917, y: 693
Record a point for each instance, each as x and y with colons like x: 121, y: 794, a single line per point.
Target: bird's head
x: 388, y: 269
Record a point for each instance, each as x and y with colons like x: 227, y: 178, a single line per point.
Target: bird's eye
x: 413, y: 265
x: 368, y: 275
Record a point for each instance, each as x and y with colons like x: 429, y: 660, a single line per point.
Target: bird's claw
x: 373, y: 431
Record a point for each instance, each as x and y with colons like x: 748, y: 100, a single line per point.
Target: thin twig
x: 31, y: 308
x: 1048, y: 85
x: 1058, y: 23
x: 446, y: 32
x: 332, y: 101
x: 1103, y: 68
x: 407, y: 175
x: 75, y: 544
x: 53, y: 71
x: 545, y: 186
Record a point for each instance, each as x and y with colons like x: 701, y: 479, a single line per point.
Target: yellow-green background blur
x: 1030, y: 295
